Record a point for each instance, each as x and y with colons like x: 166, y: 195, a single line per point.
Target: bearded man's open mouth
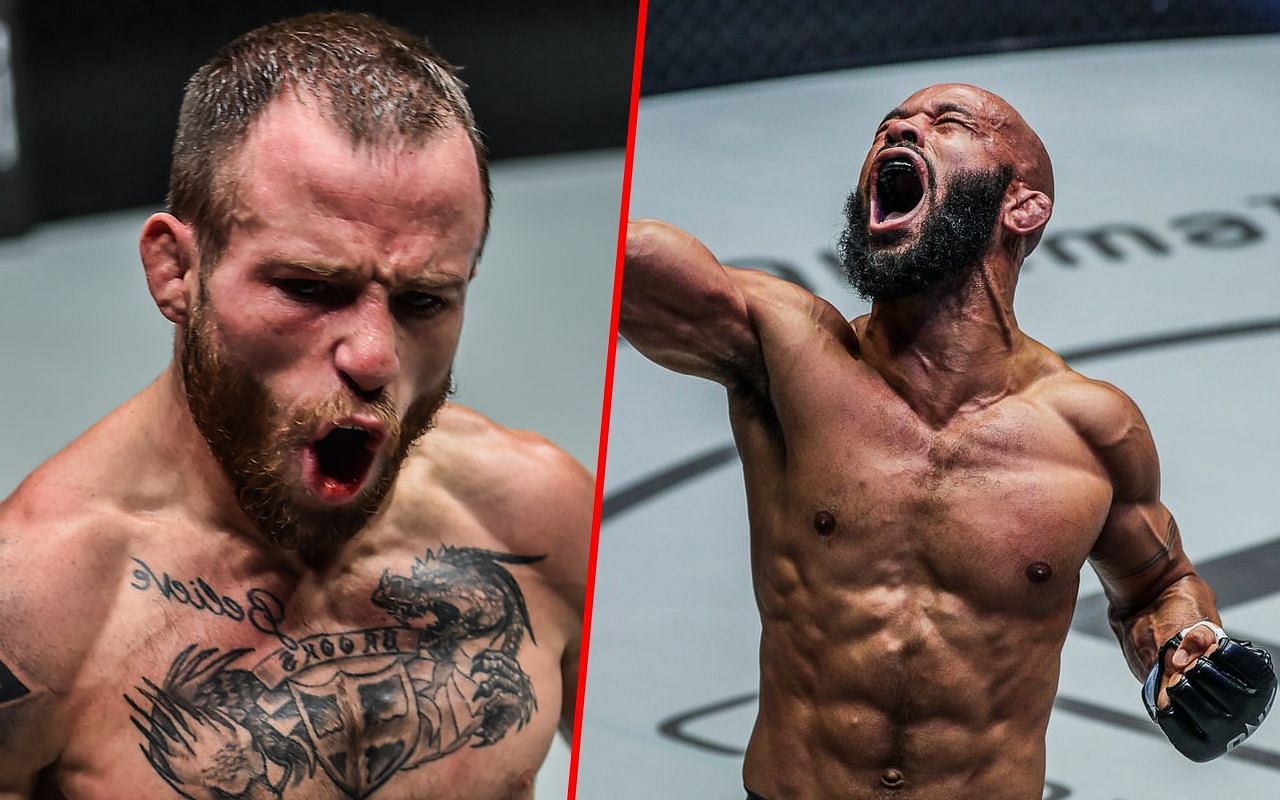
x: 337, y: 462
x: 899, y: 182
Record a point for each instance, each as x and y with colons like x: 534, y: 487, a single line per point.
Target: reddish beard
x: 254, y: 439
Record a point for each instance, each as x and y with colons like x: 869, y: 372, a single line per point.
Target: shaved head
x: 1026, y: 152
x: 1021, y: 147
x: 997, y: 137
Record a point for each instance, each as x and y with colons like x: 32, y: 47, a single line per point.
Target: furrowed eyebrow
x: 340, y: 274
x: 319, y: 270
x: 951, y: 108
x: 434, y: 284
x: 936, y: 111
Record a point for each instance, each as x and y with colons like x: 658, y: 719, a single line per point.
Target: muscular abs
x: 915, y: 585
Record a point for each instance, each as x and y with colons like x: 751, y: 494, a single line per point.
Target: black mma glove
x: 1220, y: 700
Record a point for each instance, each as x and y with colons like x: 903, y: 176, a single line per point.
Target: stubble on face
x: 948, y: 248
x: 255, y: 439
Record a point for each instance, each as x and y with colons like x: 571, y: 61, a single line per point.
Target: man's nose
x: 367, y: 355
x: 902, y: 130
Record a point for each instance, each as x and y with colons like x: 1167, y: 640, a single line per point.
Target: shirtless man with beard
x: 289, y: 568
x: 924, y: 484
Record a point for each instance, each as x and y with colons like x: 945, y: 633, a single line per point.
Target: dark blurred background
x: 694, y: 43
x: 94, y: 87
x: 98, y: 85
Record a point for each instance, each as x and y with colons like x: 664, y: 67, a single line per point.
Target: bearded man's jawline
x: 234, y: 414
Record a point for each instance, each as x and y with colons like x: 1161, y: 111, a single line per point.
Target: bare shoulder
x: 60, y: 545
x: 531, y: 494
x: 685, y: 310
x: 1111, y: 424
x: 773, y: 298
x: 1100, y: 412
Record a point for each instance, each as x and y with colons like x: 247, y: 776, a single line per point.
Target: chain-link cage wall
x: 692, y: 43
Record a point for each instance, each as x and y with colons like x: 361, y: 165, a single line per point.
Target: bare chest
x: 998, y: 510
x: 434, y: 674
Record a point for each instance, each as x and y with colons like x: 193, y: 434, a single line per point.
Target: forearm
x: 1142, y: 631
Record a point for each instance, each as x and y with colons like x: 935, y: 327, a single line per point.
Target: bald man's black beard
x: 951, y: 243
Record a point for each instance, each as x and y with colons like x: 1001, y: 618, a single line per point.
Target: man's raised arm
x: 683, y: 309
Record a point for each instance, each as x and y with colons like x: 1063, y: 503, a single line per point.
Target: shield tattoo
x: 363, y: 725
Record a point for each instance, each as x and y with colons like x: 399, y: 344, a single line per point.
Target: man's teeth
x: 349, y: 427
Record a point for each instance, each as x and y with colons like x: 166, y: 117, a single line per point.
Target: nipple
x: 1039, y: 572
x: 824, y: 522
x: 892, y: 779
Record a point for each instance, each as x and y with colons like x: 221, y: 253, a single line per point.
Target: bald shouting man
x: 289, y: 568
x: 925, y: 483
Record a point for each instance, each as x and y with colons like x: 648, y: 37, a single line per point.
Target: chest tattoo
x: 261, y: 609
x: 349, y: 708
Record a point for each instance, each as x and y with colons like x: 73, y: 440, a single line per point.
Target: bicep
x: 569, y: 663
x: 1139, y: 551
x: 683, y: 309
x: 26, y: 741
x: 51, y: 610
x: 1138, y: 554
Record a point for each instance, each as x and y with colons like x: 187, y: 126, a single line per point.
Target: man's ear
x: 171, y: 260
x: 1026, y: 210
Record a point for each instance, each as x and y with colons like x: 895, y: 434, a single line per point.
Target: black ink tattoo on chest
x: 261, y: 609
x: 350, y: 708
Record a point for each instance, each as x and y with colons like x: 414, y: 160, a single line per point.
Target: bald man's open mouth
x: 899, y: 182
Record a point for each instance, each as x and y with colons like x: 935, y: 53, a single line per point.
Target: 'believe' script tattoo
x: 261, y: 608
x: 361, y: 705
